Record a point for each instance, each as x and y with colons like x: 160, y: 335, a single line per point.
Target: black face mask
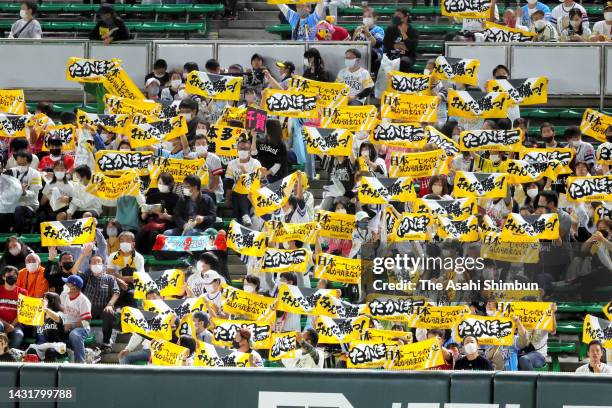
x: 609, y: 138
x: 235, y: 344
x: 396, y: 20
x: 55, y: 151
x: 67, y: 265
x: 547, y: 140
x: 501, y: 77
x: 11, y: 280
x: 604, y: 233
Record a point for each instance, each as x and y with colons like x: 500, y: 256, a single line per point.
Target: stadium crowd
x: 95, y: 281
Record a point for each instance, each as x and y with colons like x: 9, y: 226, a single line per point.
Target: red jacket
x: 47, y: 162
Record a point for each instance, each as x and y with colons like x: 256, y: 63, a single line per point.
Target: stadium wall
x: 127, y: 387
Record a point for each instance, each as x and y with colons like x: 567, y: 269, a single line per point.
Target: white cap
x: 209, y: 276
x: 152, y: 80
x: 361, y: 215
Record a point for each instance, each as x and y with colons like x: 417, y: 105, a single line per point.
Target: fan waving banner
x: 89, y: 70
x: 563, y: 154
x: 412, y: 227
x: 602, y: 212
x: 69, y: 232
x: 117, y: 105
x: 494, y: 247
x: 524, y: 91
x: 283, y: 345
x: 179, y: 168
x: 373, y: 190
x: 409, y: 108
x: 214, y: 86
x: 118, y: 82
x: 462, y: 230
x: 329, y: 94
x: 147, y: 134
x: 328, y: 142
x: 285, y: 260
x: 443, y: 142
x: 594, y: 124
x: 111, y: 188
x: 522, y: 171
x: 436, y: 317
x: 146, y: 323
x: 207, y: 355
x: 590, y: 188
x: 518, y: 227
x: 595, y: 328
x: 355, y: 118
x: 421, y: 164
x: 335, y: 225
x: 337, y: 308
x: 399, y: 135
x: 225, y: 139
x: 275, y: 195
x: 339, y: 331
x: 298, y: 300
x: 467, y: 8
x: 12, y: 101
x: 249, y: 305
x: 604, y: 153
x: 66, y: 133
x: 170, y: 282
x: 483, y: 185
x: 421, y: 355
x: 338, y: 269
x: 463, y: 71
x: 607, y: 310
x: 224, y: 332
x: 533, y: 315
x: 504, y: 140
x: 370, y: 354
x: 393, y: 308
x: 502, y: 34
x: 283, y: 232
x: 457, y: 209
x: 292, y: 104
x: 30, y: 310
x: 467, y: 104
x: 166, y: 353
x: 403, y: 82
x: 246, y: 241
x: 110, y: 123
x: 117, y: 161
x: 494, y: 331
x: 179, y: 307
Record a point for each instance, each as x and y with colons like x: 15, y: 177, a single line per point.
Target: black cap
x: 287, y: 65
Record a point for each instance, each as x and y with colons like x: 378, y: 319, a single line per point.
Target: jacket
x: 33, y: 182
x: 186, y: 208
x: 34, y: 283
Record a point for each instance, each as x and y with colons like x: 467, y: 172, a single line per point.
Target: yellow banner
x: 179, y: 168
x: 355, y: 118
x: 66, y: 133
x: 179, y: 307
x: 111, y: 188
x: 225, y: 139
x: 248, y: 305
x: 117, y: 161
x: 370, y: 354
x: 147, y: 134
x: 412, y: 227
x: 467, y: 9
x: 14, y: 125
x: 70, y: 232
x: 525, y: 91
x: 519, y: 228
x: 290, y: 1
x: 337, y: 268
x: 399, y: 135
x: 231, y: 113
x: 283, y: 345
x: 246, y: 241
x: 275, y: 195
x: 494, y: 247
x: 224, y: 332
x: 590, y: 188
x: 285, y: 260
x: 504, y: 140
x: 329, y: 142
x: 522, y: 171
x: 283, y: 232
x: 421, y: 355
x: 214, y: 86
x: 607, y: 310
x: 117, y: 105
x: 393, y: 308
x: 12, y: 101
x: 594, y: 124
x: 89, y: 70
x: 335, y: 225
x: 457, y: 209
x: 421, y: 164
x: 562, y: 154
x: 463, y: 71
x: 597, y: 329
x: 443, y: 142
x: 468, y: 104
x: 329, y: 94
x: 206, y: 356
x: 166, y: 353
x: 403, y: 82
x: 373, y: 190
x: 533, y: 315
x: 510, y: 295
x: 30, y: 310
x: 169, y: 283
x: 146, y: 323
x: 292, y: 104
x: 339, y: 331
x: 118, y: 82
x: 495, y: 331
x: 409, y: 108
x: 110, y: 123
x: 465, y: 230
x: 603, y: 211
x: 297, y: 300
x: 604, y: 153
x: 504, y: 34
x: 483, y: 185
x: 385, y: 335
x: 436, y: 317
x: 247, y: 181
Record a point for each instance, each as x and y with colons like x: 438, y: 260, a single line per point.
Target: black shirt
x: 121, y: 34
x: 479, y: 363
x: 54, y: 274
x: 393, y: 36
x: 162, y: 81
x: 186, y: 208
x: 53, y: 331
x: 270, y: 154
x: 319, y: 75
x: 167, y: 200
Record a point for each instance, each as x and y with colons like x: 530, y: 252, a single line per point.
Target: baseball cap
x: 151, y: 81
x: 608, y: 5
x: 209, y: 276
x: 361, y: 215
x: 286, y: 64
x: 75, y: 280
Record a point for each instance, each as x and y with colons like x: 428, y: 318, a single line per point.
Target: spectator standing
x: 303, y: 21
x: 77, y: 309
x: 576, y: 31
x: 244, y: 164
x: 55, y: 150
x: 584, y: 151
x: 525, y: 12
x: 272, y: 153
x: 52, y: 330
x: 110, y: 27
x: 372, y: 33
x: 27, y: 26
x: 32, y: 277
x: 31, y: 184
x: 472, y: 359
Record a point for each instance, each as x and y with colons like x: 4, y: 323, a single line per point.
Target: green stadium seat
x: 431, y: 48
x: 571, y: 113
x: 50, y: 8
x: 141, y: 363
x: 161, y: 27
x: 557, y: 347
x: 535, y: 130
x: 81, y: 8
x: 6, y: 25
x: 11, y: 7
x: 29, y: 239
x: 540, y: 113
x: 569, y: 327
x: 542, y: 369
x: 61, y: 26
x: 141, y: 8
x: 188, y: 27
x: 595, y: 308
x: 90, y: 340
x: 389, y: 10
x: 165, y: 263
x: 133, y: 26
x: 570, y: 307
x: 206, y: 8
x: 86, y: 26
x: 173, y: 8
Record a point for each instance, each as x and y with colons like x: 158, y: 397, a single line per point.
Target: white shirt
x: 83, y: 201
x: 234, y: 171
x: 32, y: 179
x: 138, y: 262
x: 196, y: 283
x: 602, y: 28
x: 560, y: 16
x: 605, y: 369
x: 357, y: 81
x: 76, y: 309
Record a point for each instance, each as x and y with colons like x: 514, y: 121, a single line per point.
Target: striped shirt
x: 99, y: 290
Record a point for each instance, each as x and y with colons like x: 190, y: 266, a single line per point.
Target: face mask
x: 608, y: 16
x: 163, y: 188
x: 16, y: 250
x: 125, y: 247
x: 22, y: 169
x: 547, y: 140
x: 539, y: 25
x: 201, y: 149
x: 200, y: 132
x: 187, y: 116
x: 209, y: 289
x: 111, y: 231
x: 494, y: 157
x: 67, y: 265
x: 362, y: 224
x: 31, y: 267
x: 341, y: 211
x: 396, y: 20
x: 532, y: 193
x: 349, y: 62
x: 501, y: 77
x: 490, y: 313
x: 97, y: 269
x: 243, y: 154
x: 186, y: 191
x: 306, y: 63
x: 470, y: 348
x: 427, y: 71
x: 154, y: 91
x: 575, y: 24
x: 368, y: 21
x: 22, y: 13
x: 59, y: 174
x: 235, y: 344
x: 55, y: 152
x: 175, y: 83
x: 249, y: 289
x: 11, y: 280
x: 436, y: 189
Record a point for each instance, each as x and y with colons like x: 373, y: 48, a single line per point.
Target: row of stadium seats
x: 174, y: 9
x: 135, y: 27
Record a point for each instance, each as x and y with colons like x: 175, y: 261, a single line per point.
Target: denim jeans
x: 15, y: 337
x: 76, y: 338
x: 133, y: 357
x: 530, y: 361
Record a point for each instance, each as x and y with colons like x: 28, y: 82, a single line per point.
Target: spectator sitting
x: 56, y: 194
x: 16, y: 145
x: 152, y: 89
x: 55, y: 150
x: 560, y: 15
x: 31, y: 183
x: 525, y: 12
x: 401, y: 40
x: 129, y: 355
x: 602, y: 30
x: 157, y: 215
x: 194, y: 212
x: 123, y: 263
x: 326, y: 31
x: 15, y: 252
x: 195, y: 282
x: 201, y: 321
x: 77, y: 314
x: 83, y: 202
x: 172, y: 88
x: 32, y: 277
x: 576, y: 31
x: 315, y: 66
x: 584, y: 151
x: 511, y: 21
x: 303, y: 23
x: 110, y: 27
x: 472, y: 360
x: 9, y: 296
x: 534, y: 343
x: 356, y: 77
x: 595, y: 365
x: 160, y: 72
x: 27, y: 27
x: 189, y: 109
x: 5, y: 350
x: 52, y: 330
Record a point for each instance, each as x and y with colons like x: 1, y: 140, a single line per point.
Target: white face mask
x: 350, y: 62
x: 427, y: 71
x: 539, y: 24
x: 249, y: 288
x: 201, y: 149
x: 243, y: 154
x: 209, y: 289
x: 163, y: 188
x: 125, y: 247
x: 490, y: 313
x: 111, y: 231
x: 532, y: 193
x: 575, y: 24
x: 169, y: 146
x: 59, y: 174
x: 532, y: 2
x: 368, y: 21
x: 22, y: 169
x: 186, y: 191
x: 22, y: 13
x: 55, y: 158
x: 187, y: 116
x: 32, y: 267
x: 494, y: 157
x: 175, y: 83
x: 97, y: 269
x: 306, y: 63
x: 608, y: 16
x: 470, y: 348
x: 285, y: 245
x: 201, y: 132
x: 15, y: 250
